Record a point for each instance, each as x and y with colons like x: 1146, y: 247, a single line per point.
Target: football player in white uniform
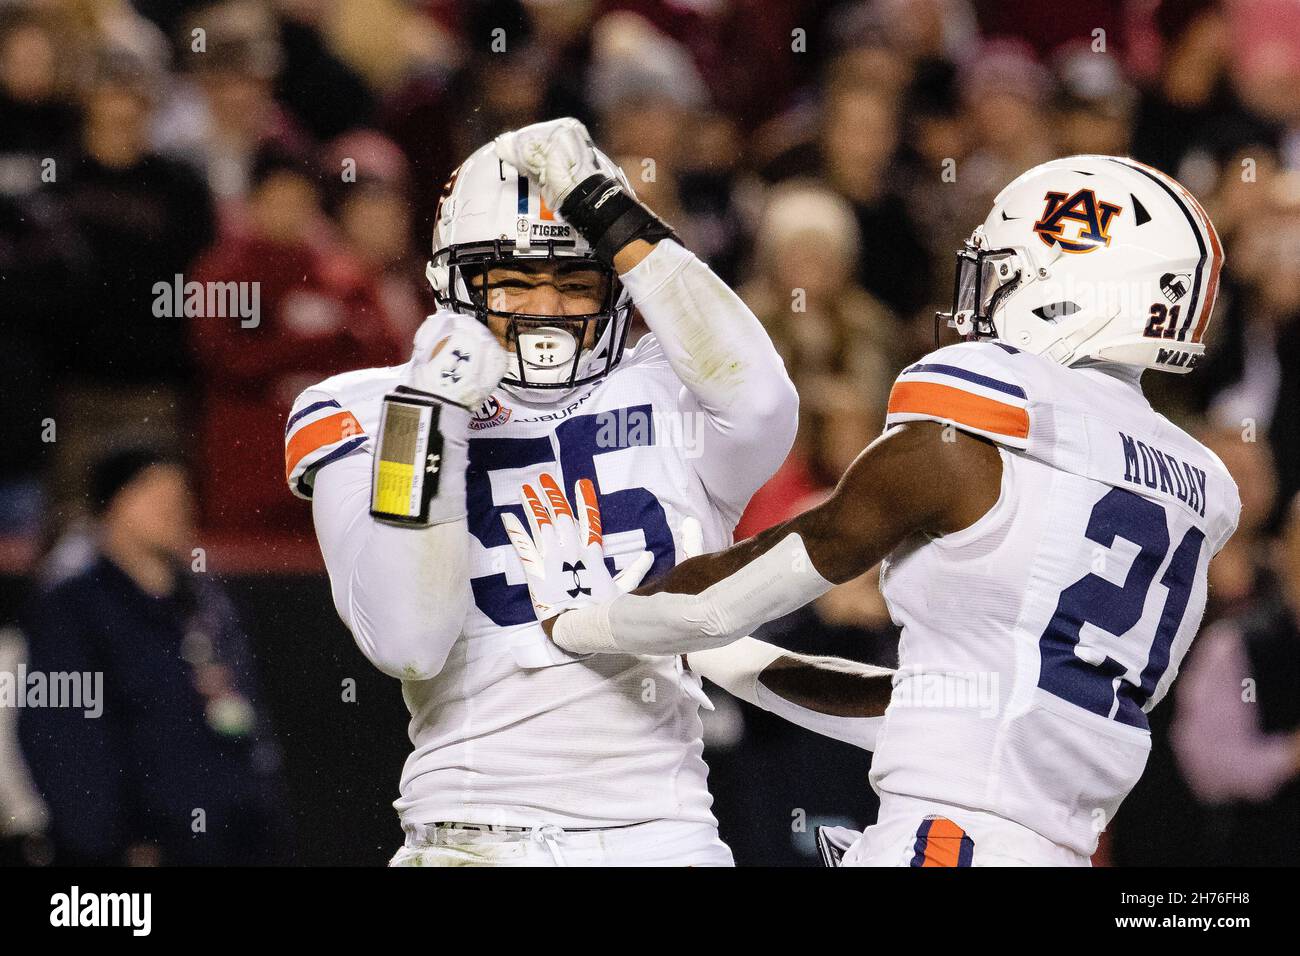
x: 1045, y: 533
x: 524, y: 753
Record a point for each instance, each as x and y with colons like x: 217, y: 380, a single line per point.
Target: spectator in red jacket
x: 368, y: 197
x: 313, y: 316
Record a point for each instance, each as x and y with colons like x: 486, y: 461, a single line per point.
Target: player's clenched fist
x: 421, y: 449
x: 557, y: 155
x: 457, y: 359
x: 576, y: 180
x: 564, y: 557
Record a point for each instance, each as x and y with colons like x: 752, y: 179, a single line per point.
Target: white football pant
x: 912, y: 832
x: 658, y: 843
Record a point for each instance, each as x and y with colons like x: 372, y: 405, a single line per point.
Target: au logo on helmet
x: 1090, y: 217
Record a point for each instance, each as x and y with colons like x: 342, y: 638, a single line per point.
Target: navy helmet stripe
x: 1195, y: 227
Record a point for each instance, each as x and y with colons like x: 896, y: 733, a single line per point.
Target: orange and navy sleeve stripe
x: 940, y: 842
x: 315, y: 435
x: 974, y: 402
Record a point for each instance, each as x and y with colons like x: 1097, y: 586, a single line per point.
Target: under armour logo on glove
x: 564, y: 556
x: 577, y: 588
x: 457, y: 359
x: 453, y: 374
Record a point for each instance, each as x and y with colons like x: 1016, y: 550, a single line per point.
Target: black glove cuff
x: 608, y: 218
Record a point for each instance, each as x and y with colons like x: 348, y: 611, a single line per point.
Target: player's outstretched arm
x: 917, y: 478
x: 830, y: 696
x: 562, y: 552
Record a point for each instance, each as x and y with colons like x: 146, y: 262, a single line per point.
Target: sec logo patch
x: 490, y: 413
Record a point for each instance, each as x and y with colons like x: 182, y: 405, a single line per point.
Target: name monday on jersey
x: 1154, y: 468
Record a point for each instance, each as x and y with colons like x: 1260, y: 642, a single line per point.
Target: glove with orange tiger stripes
x: 564, y: 557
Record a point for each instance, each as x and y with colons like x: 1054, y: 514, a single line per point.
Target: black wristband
x: 420, y: 393
x: 608, y: 218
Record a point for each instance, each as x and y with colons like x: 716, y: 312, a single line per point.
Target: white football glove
x: 564, y: 557
x: 421, y: 481
x: 457, y: 359
x: 557, y: 155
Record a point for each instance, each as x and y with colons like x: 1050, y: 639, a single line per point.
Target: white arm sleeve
x: 732, y: 374
x: 772, y: 585
x: 403, y: 592
x: 738, y: 669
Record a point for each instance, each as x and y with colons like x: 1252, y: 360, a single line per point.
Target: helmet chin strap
x: 538, y: 396
x: 1064, y: 349
x: 963, y: 321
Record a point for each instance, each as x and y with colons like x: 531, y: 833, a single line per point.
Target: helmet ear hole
x: 1056, y: 310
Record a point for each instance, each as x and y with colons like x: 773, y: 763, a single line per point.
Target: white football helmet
x: 491, y: 215
x: 1092, y: 257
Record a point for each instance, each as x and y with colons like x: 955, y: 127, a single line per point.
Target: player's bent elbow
x: 412, y: 657
x: 771, y: 413
x: 850, y: 556
x: 404, y: 646
x: 779, y: 404
x: 838, y: 546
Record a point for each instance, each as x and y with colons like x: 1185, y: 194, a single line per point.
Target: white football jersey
x: 1035, y: 641
x: 514, y: 731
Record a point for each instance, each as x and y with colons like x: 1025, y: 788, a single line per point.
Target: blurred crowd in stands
x: 826, y: 157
